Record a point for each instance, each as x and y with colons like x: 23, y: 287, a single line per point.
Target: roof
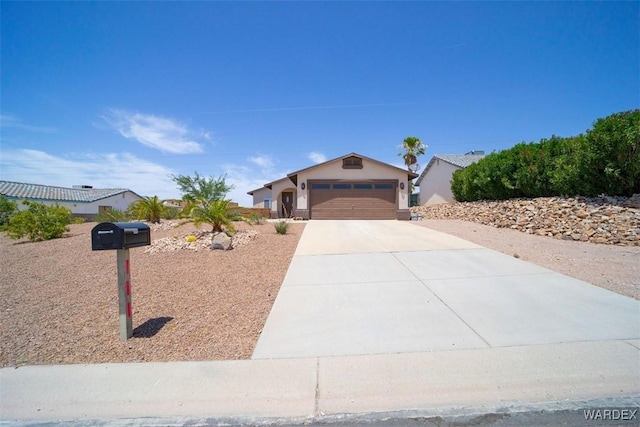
x: 293, y: 176
x: 21, y: 190
x: 459, y: 160
x: 410, y: 174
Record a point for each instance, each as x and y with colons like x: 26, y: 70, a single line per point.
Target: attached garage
x: 352, y: 200
x: 352, y: 186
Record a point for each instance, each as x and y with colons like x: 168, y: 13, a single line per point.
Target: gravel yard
x: 59, y: 300
x: 616, y: 268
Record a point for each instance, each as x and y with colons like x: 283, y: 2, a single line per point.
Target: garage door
x: 353, y: 200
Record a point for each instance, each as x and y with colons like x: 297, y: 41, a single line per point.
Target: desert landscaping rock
x: 221, y: 241
x: 204, y: 241
x: 601, y: 220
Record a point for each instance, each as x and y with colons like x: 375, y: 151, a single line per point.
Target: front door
x: 287, y: 204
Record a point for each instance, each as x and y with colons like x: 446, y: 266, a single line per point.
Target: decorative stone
x: 221, y: 241
x: 603, y: 220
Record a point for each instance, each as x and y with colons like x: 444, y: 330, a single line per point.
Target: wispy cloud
x: 262, y: 161
x: 316, y: 157
x: 162, y: 133
x: 11, y: 121
x: 100, y: 170
x: 246, y: 178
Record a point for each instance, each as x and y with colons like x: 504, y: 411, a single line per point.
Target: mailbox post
x: 124, y: 294
x: 121, y: 236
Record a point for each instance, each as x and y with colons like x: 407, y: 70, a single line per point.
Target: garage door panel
x: 355, y: 200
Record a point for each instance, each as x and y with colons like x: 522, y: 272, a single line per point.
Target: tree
x: 39, y: 222
x: 412, y: 147
x: 200, y: 188
x: 216, y: 212
x: 149, y: 208
x: 7, y: 209
x: 206, y: 200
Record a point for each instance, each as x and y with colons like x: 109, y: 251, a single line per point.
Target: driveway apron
x: 375, y: 287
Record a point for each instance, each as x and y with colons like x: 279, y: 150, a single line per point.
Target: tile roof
x: 459, y: 160
x: 20, y: 190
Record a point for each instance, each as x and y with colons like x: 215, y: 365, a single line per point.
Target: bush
x: 171, y: 212
x: 605, y: 160
x: 113, y: 215
x: 282, y: 227
x: 148, y: 208
x: 256, y: 218
x: 613, y: 154
x: 39, y: 222
x: 7, y: 209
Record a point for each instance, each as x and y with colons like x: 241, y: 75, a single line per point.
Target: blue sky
x: 124, y: 94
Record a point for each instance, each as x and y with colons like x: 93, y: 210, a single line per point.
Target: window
x: 267, y: 203
x: 321, y: 186
x: 363, y: 186
x: 352, y: 163
x: 384, y: 186
x: 104, y: 208
x: 342, y: 186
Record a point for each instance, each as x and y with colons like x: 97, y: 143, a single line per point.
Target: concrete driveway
x: 376, y: 287
x: 426, y: 326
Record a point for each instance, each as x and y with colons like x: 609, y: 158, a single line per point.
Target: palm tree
x: 412, y: 148
x: 149, y: 208
x: 215, y: 212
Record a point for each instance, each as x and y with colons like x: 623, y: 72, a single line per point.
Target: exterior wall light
x: 402, y: 185
x: 303, y: 186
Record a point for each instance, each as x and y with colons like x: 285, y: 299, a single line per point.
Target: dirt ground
x: 59, y: 299
x: 616, y: 268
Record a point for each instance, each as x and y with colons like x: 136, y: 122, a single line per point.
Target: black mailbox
x: 119, y: 235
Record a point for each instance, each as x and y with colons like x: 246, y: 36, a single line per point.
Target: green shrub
x: 171, y: 212
x: 150, y: 209
x: 282, y: 227
x: 7, y: 209
x: 39, y: 222
x: 256, y: 218
x: 605, y: 160
x: 613, y: 154
x: 113, y: 215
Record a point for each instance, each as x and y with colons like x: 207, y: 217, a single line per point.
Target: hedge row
x: 605, y: 160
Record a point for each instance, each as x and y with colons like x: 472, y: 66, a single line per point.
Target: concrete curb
x: 323, y: 390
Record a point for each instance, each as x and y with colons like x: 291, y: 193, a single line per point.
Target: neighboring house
x: 348, y: 187
x: 82, y: 200
x: 435, y: 180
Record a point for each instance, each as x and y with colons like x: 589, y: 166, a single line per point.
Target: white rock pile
x: 202, y: 242
x: 603, y: 220
x: 162, y: 226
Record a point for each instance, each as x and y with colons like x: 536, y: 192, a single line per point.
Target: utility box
x: 119, y: 235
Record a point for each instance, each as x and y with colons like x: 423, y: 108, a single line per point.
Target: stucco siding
x: 259, y: 196
x: 277, y: 188
x: 118, y: 201
x: 370, y: 171
x: 435, y: 187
